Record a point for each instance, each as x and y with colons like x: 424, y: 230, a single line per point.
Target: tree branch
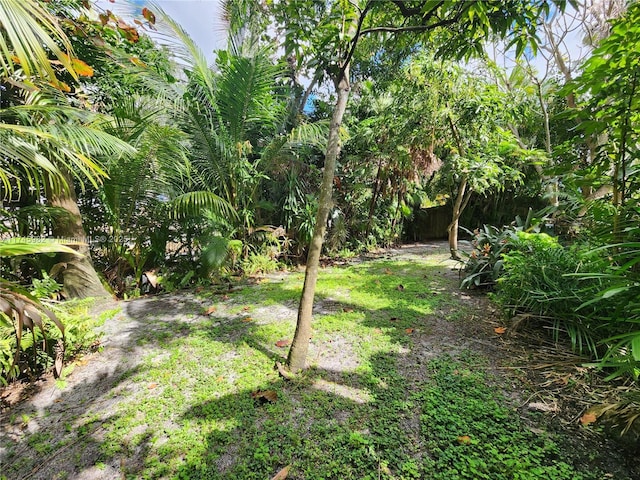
x: 354, y: 42
x: 413, y: 28
x: 404, y: 10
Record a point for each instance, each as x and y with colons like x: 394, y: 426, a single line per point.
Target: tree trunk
x: 80, y: 279
x: 374, y: 200
x: 458, y: 206
x: 461, y: 199
x: 552, y: 185
x: 300, y: 345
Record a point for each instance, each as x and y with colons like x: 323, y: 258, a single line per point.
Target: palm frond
x: 25, y: 312
x: 29, y: 33
x: 246, y: 98
x: 305, y: 135
x: 195, y: 203
x: 189, y: 55
x: 315, y: 134
x: 45, y: 136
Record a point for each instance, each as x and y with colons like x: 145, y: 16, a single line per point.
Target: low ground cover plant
x: 383, y: 398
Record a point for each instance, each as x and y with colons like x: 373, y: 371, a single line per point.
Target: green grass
x: 192, y: 415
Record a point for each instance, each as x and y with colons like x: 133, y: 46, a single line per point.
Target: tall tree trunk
x: 458, y: 206
x: 461, y: 199
x: 300, y: 345
x: 552, y: 185
x: 80, y: 279
x: 374, y: 200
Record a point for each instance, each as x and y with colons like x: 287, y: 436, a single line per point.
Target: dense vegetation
x: 324, y: 127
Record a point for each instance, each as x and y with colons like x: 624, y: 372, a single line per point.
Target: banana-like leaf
x: 28, y: 246
x: 26, y: 313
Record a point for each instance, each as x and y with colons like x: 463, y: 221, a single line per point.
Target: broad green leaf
x: 29, y: 246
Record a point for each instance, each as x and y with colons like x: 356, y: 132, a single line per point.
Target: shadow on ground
x: 349, y: 415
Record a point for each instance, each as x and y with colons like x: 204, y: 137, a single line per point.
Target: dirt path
x: 90, y: 394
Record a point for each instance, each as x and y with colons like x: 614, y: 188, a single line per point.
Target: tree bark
x: 374, y: 200
x: 79, y: 277
x: 299, y: 347
x: 461, y: 199
x: 461, y: 202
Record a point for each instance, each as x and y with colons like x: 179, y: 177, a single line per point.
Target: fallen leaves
x: 210, y: 310
x: 151, y: 386
x: 283, y: 343
x: 409, y: 331
x: 588, y: 418
x: 464, y: 439
x: 282, y: 474
x: 264, y: 396
x: 500, y: 330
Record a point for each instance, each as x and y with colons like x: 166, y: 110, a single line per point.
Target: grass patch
x: 188, y: 412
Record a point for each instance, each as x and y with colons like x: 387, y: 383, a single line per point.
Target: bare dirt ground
x: 89, y: 395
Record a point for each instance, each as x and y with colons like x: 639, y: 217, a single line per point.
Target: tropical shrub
x: 46, y: 287
x: 483, y: 265
x: 541, y: 278
x: 256, y: 263
x: 618, y: 310
x: 26, y: 343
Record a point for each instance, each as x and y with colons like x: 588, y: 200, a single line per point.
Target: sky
x: 201, y: 19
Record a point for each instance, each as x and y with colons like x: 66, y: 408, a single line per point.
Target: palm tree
x: 43, y: 141
x: 237, y: 124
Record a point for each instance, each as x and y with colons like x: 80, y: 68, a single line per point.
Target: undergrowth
x: 196, y: 408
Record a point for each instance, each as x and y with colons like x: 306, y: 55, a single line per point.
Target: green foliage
x: 214, y: 254
x: 81, y: 324
x: 618, y: 310
x: 539, y: 278
x: 30, y: 35
x: 606, y: 144
x: 256, y: 263
x: 27, y: 334
x: 483, y: 266
x: 68, y: 329
x: 45, y: 288
x: 26, y: 325
x: 470, y: 434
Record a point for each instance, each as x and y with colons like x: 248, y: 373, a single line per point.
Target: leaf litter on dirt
x: 379, y: 397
